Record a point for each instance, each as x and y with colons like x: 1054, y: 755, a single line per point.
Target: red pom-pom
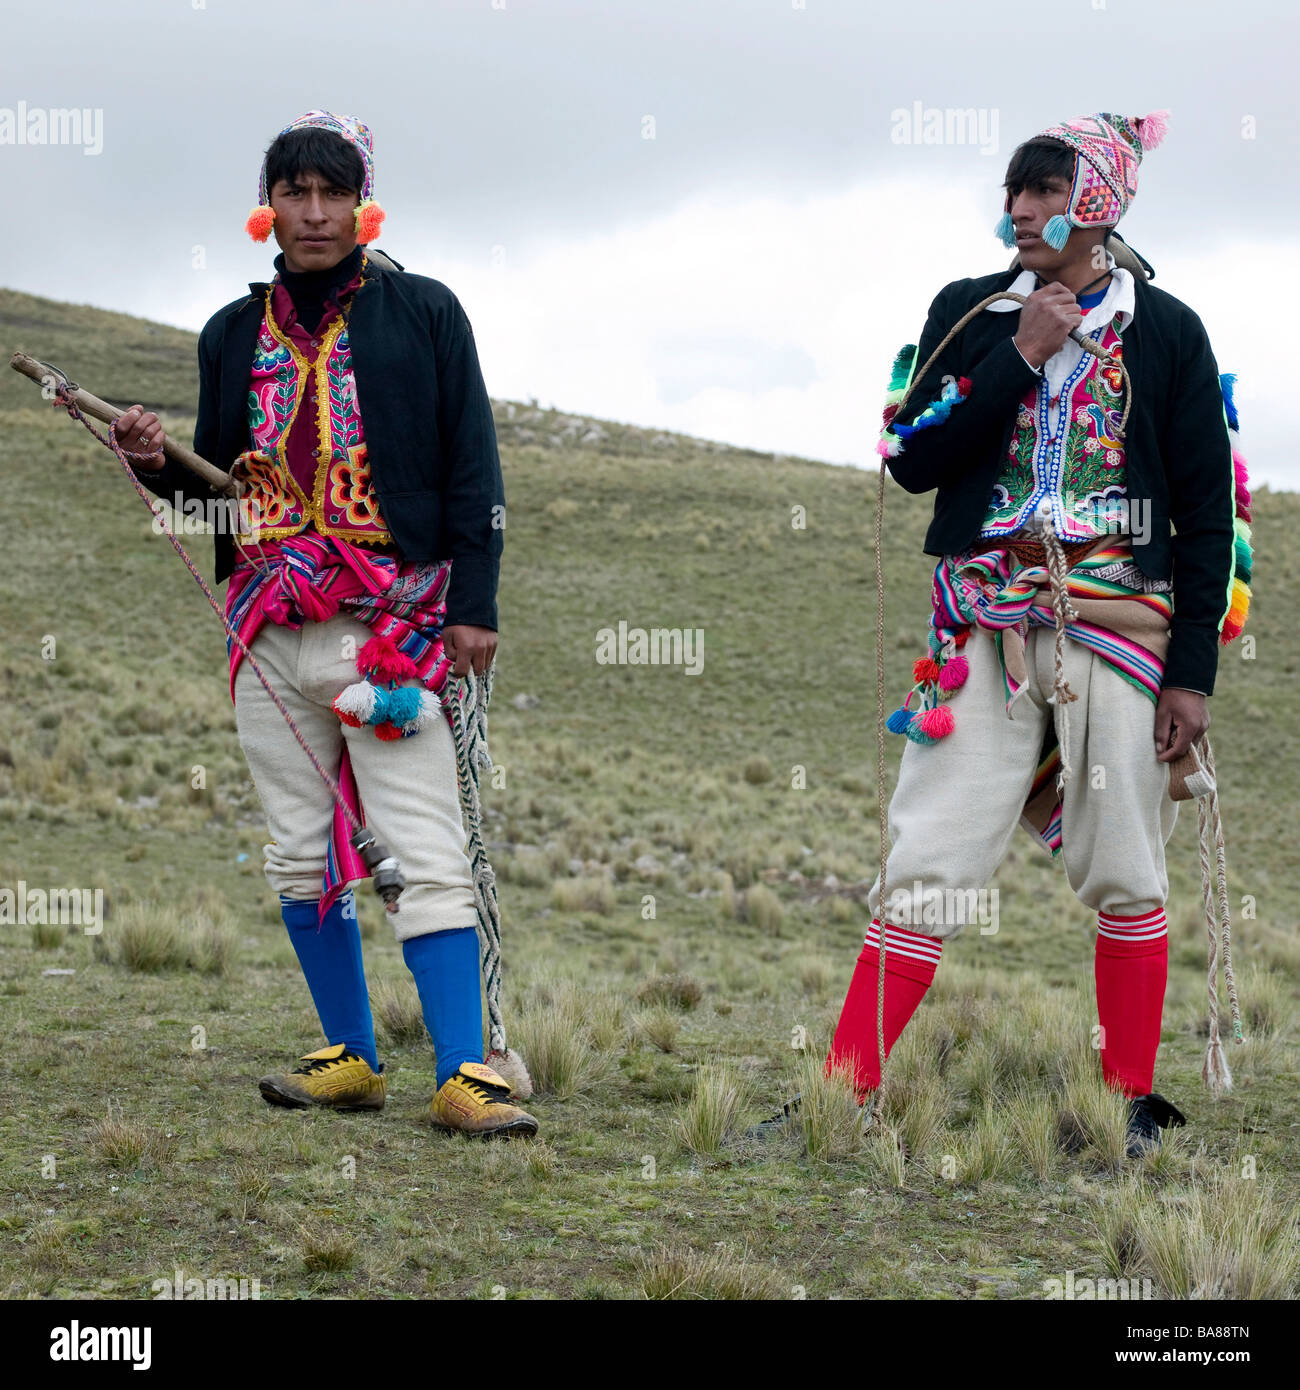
x: 349, y: 719
x: 381, y: 661
x: 937, y: 722
x: 925, y: 668
x: 962, y: 637
x: 954, y: 673
x: 887, y: 415
x: 387, y: 731
x: 259, y: 223
x: 369, y: 217
x: 963, y: 386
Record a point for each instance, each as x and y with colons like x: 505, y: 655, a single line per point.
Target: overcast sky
x: 748, y: 273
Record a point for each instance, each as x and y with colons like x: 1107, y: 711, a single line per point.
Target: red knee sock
x: 910, y: 963
x: 1132, y: 967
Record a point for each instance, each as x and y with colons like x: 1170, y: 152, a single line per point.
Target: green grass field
x: 681, y: 908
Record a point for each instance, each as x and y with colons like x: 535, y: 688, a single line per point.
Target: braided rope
x: 471, y: 755
x: 1215, y: 1071
x: 1065, y: 611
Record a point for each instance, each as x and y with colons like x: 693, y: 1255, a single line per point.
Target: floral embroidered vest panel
x: 1064, y: 457
x: 308, y: 464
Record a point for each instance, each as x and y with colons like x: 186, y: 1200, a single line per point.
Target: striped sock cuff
x: 1145, y: 926
x: 900, y: 941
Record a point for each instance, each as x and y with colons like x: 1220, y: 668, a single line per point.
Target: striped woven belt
x: 1031, y: 552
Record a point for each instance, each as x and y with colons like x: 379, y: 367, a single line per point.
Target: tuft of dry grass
x: 326, y: 1251
x: 148, y: 939
x: 828, y: 1118
x: 763, y: 908
x: 211, y: 948
x: 398, y: 1015
x: 1032, y: 1117
x: 709, y: 1117
x: 661, y: 1027
x: 678, y: 990
x: 583, y: 895
x: 1227, y: 1238
x: 672, y: 1272
x: 562, y: 1058
x: 127, y: 1144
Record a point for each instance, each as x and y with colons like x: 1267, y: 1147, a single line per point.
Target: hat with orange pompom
x: 369, y: 214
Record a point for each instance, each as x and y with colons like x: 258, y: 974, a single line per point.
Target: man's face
x: 1032, y: 207
x: 315, y: 221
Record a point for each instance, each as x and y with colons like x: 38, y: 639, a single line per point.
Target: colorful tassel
x: 938, y: 410
x: 1227, y: 380
x: 355, y: 704
x: 954, y: 673
x: 403, y: 704
x: 381, y: 660
x: 260, y: 222
x: 1152, y: 128
x: 369, y: 216
x: 1057, y: 232
x: 916, y: 732
x: 937, y: 723
x: 898, y: 721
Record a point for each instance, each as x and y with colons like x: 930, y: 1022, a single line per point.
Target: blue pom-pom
x: 380, y: 712
x: 403, y: 704
x: 898, y: 721
x: 1005, y: 231
x: 916, y: 733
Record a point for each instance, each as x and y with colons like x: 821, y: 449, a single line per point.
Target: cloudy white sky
x: 746, y: 274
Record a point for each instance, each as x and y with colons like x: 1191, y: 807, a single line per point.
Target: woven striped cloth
x: 309, y: 577
x: 1123, y: 617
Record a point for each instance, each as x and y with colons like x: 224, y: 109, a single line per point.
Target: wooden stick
x: 220, y: 481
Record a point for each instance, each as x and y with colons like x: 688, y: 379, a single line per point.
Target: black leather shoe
x: 778, y: 1124
x: 1147, y: 1116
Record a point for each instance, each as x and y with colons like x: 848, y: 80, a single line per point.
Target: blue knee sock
x: 331, y: 961
x: 446, y: 969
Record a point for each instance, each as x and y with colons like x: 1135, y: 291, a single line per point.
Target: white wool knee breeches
x: 407, y: 786
x: 959, y: 800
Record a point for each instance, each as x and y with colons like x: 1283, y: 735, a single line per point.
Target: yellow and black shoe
x: 333, y: 1076
x: 476, y: 1101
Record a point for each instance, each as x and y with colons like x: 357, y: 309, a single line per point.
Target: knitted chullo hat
x: 1107, y: 152
x: 369, y: 213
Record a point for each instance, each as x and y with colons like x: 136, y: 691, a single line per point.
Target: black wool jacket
x: 1177, y: 453
x: 430, y: 436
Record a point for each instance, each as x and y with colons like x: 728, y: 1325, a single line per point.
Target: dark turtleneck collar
x: 309, y: 289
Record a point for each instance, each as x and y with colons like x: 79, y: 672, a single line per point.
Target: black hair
x: 312, y: 150
x: 1043, y: 157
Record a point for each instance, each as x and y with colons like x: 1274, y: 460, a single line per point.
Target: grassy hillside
x: 621, y: 782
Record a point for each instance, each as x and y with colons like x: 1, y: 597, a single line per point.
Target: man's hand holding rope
x: 1181, y: 718
x: 140, y: 432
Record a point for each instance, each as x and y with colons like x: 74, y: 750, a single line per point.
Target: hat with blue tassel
x: 369, y: 215
x: 1108, y: 150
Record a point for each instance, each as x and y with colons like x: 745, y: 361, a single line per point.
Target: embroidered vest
x: 337, y: 499
x: 1066, y: 459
